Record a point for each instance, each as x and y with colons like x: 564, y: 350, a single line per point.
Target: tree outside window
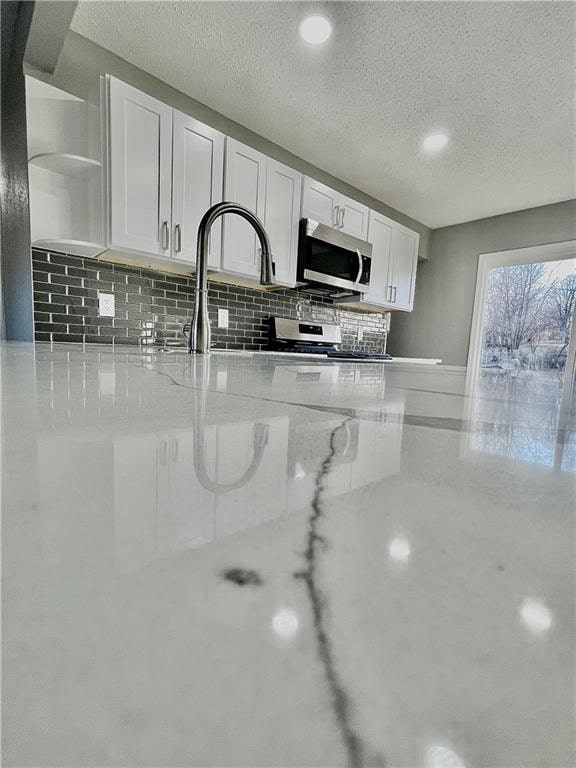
x: 528, y: 315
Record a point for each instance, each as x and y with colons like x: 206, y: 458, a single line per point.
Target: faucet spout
x: 199, y: 340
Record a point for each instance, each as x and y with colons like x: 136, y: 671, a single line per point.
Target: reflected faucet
x: 261, y: 434
x: 199, y: 340
x: 200, y: 372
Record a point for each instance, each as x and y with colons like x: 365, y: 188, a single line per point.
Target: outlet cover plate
x: 222, y: 318
x: 106, y: 305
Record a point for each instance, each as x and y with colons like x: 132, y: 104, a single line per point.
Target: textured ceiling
x: 498, y: 77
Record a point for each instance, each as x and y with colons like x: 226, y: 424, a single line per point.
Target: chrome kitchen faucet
x: 199, y: 340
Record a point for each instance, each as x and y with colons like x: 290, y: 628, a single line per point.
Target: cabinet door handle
x: 390, y: 293
x: 342, y: 213
x: 394, y: 299
x: 178, y: 238
x: 335, y: 215
x: 175, y: 450
x: 164, y: 236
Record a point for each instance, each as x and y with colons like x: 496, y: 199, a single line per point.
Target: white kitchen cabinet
x: 244, y: 183
x: 394, y: 262
x: 380, y: 235
x: 197, y: 180
x: 353, y: 217
x: 404, y: 259
x: 319, y: 202
x: 165, y: 169
x: 325, y: 205
x: 273, y: 192
x: 139, y: 170
x: 281, y: 219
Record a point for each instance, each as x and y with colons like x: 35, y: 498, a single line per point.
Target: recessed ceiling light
x: 435, y: 142
x: 315, y: 29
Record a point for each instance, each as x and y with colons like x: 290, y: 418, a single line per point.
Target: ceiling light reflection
x: 536, y: 616
x: 299, y: 472
x: 442, y: 757
x: 285, y: 623
x: 435, y: 142
x: 399, y: 549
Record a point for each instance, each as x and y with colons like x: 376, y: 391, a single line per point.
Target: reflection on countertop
x: 241, y: 560
x: 518, y: 415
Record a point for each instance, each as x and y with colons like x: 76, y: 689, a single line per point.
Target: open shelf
x: 75, y: 247
x: 64, y: 171
x: 76, y: 166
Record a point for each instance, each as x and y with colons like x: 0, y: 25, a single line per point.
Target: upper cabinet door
x: 403, y: 267
x: 320, y: 203
x: 197, y: 180
x: 244, y: 183
x: 353, y: 218
x: 283, y: 198
x: 329, y: 207
x: 380, y: 235
x: 140, y: 169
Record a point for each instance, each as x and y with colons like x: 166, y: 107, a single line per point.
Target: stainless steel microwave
x: 332, y: 263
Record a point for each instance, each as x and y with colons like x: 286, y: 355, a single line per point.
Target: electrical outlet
x: 360, y: 334
x: 222, y: 318
x: 106, y: 305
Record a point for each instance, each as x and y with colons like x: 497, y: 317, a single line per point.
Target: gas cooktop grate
x: 331, y: 352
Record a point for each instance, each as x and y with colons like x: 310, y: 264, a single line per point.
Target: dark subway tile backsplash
x: 153, y: 307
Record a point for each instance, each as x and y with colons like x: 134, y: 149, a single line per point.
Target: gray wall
x: 15, y: 256
x: 82, y: 61
x: 50, y: 23
x: 440, y: 324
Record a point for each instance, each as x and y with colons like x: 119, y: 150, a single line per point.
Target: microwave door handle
x: 359, y: 275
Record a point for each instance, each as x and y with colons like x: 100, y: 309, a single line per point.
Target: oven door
x: 332, y: 258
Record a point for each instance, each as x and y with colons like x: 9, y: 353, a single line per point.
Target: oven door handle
x: 359, y: 275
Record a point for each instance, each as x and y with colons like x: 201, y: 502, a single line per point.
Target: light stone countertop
x: 248, y: 560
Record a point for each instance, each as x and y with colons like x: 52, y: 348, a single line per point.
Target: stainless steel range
x: 304, y: 337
